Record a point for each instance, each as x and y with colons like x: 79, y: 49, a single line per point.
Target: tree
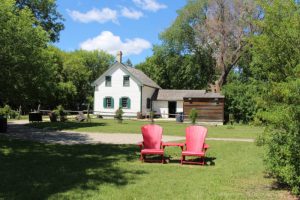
x: 276, y: 67
x: 219, y: 26
x: 128, y: 63
x: 23, y: 57
x: 46, y: 14
x: 72, y: 75
x: 172, y: 70
x: 96, y: 61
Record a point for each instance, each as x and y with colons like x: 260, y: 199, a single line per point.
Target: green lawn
x: 133, y: 126
x: 31, y: 170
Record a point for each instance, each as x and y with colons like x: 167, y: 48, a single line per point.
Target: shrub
x: 151, y: 116
x: 13, y: 114
x: 193, y: 115
x: 240, y: 100
x: 7, y: 112
x: 60, y: 112
x: 119, y: 115
x: 280, y: 111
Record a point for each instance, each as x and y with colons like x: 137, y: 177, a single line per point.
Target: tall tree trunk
x: 223, y: 77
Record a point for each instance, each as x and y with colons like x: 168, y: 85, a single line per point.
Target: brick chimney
x: 119, y: 57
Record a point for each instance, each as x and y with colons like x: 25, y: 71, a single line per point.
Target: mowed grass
x: 134, y: 126
x: 31, y: 170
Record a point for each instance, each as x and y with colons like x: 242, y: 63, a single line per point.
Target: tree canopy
x: 46, y: 14
x: 220, y: 27
x: 24, y: 61
x: 276, y: 67
x: 176, y: 71
x: 33, y: 72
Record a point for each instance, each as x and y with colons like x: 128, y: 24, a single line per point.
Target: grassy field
x: 133, y: 126
x: 31, y: 170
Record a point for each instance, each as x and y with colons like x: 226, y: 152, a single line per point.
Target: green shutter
x: 112, y: 102
x: 128, y: 103
x: 104, y: 103
x: 120, y: 103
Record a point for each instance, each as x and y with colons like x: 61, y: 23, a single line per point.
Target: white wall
x: 117, y: 91
x: 161, y: 107
x: 179, y: 107
x: 147, y: 92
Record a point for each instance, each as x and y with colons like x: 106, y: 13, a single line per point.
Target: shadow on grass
x: 31, y: 170
x: 209, y: 161
x: 69, y: 125
x: 18, y: 131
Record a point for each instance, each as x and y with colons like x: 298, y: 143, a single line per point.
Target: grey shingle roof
x: 176, y: 95
x: 143, y: 78
x: 138, y: 74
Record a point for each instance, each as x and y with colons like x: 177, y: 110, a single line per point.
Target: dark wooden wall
x: 209, y: 110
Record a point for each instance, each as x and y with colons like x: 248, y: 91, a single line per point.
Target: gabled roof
x: 142, y: 78
x: 178, y: 95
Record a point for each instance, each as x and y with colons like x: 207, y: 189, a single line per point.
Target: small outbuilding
x: 210, y: 106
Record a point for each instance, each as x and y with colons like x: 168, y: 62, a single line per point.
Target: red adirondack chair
x: 195, y: 144
x: 152, y: 143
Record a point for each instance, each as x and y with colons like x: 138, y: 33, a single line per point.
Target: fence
x: 111, y: 114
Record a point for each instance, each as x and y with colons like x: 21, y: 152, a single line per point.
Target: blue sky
x: 132, y: 26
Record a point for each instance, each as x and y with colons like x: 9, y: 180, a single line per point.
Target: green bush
x: 231, y: 119
x: 60, y: 112
x: 280, y: 111
x: 119, y: 115
x: 13, y: 114
x: 240, y: 100
x: 7, y: 112
x: 151, y: 116
x: 193, y: 115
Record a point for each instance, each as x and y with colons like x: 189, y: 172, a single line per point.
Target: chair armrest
x: 184, y: 146
x: 205, y: 146
x: 162, y: 144
x: 140, y: 144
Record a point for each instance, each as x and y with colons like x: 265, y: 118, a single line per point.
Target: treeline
x: 252, y: 50
x: 35, y: 73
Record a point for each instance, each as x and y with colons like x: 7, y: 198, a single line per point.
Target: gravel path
x: 17, y: 130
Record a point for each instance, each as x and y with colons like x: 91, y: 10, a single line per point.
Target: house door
x: 172, y: 109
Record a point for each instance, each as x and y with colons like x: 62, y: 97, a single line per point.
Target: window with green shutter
x: 108, y: 102
x: 124, y: 102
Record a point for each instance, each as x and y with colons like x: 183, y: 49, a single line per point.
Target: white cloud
x: 131, y: 14
x: 111, y: 43
x: 151, y: 5
x: 101, y: 16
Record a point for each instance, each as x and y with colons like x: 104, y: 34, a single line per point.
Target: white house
x: 133, y: 91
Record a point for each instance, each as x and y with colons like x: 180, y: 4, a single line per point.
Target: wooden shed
x: 210, y: 109
x: 210, y: 105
